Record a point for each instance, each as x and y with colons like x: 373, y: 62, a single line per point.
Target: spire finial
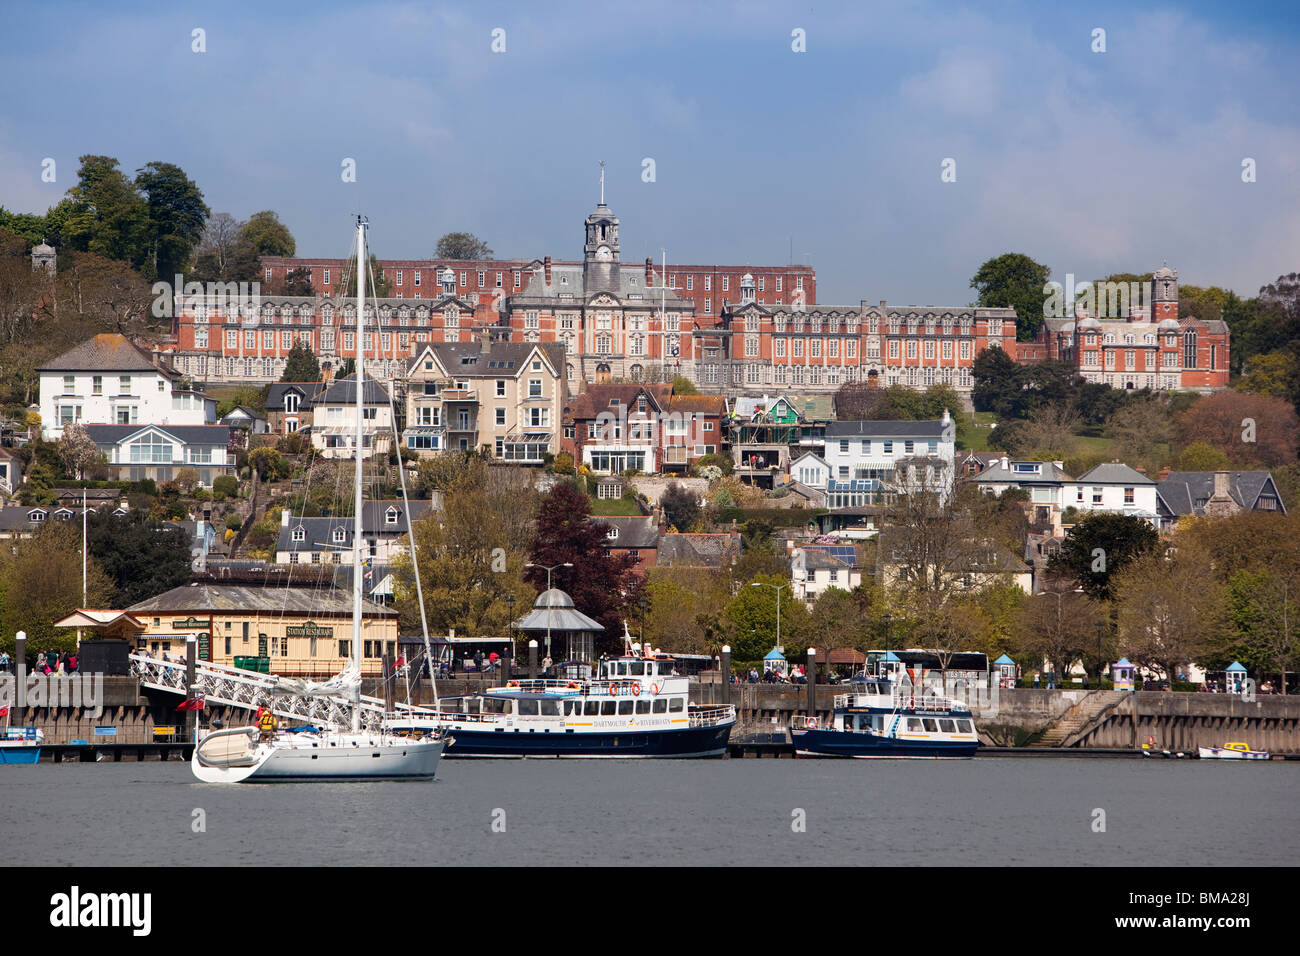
x: 602, y: 182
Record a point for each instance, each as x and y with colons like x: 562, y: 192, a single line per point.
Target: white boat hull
x: 1219, y: 753
x: 220, y: 758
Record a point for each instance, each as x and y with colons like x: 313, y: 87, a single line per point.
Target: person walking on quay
x: 4, y: 662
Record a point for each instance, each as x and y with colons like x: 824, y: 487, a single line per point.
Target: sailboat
x: 265, y: 753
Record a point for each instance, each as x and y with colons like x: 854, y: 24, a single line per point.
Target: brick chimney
x: 1221, y: 503
x: 658, y: 515
x: 485, y: 342
x: 1164, y: 472
x: 649, y: 271
x: 546, y: 267
x: 734, y: 532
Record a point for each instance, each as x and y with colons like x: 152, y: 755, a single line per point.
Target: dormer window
x: 339, y: 535
x: 613, y: 534
x: 299, y: 534
x: 390, y: 516
x: 37, y: 515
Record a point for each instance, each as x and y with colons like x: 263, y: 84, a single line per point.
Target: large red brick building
x: 1149, y: 346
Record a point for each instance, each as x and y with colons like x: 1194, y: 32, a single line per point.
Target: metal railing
x: 901, y: 700
x: 711, y: 716
x: 233, y: 687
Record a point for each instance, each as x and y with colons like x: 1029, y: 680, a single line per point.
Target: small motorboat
x: 1232, y: 751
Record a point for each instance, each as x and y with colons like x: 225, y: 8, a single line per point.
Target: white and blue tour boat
x: 883, y: 718
x: 634, y: 706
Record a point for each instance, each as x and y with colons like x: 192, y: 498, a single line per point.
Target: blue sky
x: 1089, y: 162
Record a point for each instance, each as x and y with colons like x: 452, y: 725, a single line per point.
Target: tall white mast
x: 356, y: 519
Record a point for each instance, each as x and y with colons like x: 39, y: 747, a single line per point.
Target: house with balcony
x: 870, y: 461
x: 109, y: 380
x: 503, y: 398
x: 334, y: 420
x: 11, y: 472
x: 766, y: 432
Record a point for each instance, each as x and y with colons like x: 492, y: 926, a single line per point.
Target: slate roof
x: 1113, y: 473
x: 1185, y: 492
x: 275, y: 397
x: 698, y: 550
x: 894, y: 429
x: 502, y: 360
x: 632, y: 532
x: 318, y: 532
x: 994, y: 473
x: 597, y: 398
x: 698, y: 404
x: 344, y: 392
x: 241, y: 599
x: 188, y: 434
x: 108, y: 352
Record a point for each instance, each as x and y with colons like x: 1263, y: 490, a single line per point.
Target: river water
x: 992, y: 811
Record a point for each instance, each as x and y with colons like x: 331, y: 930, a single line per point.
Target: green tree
x: 176, y: 218
x: 377, y: 284
x: 105, y: 213
x: 300, y: 365
x: 753, y: 617
x: 269, y: 464
x: 471, y: 554
x: 265, y: 235
x: 603, y: 585
x: 999, y: 384
x: 463, y: 246
x: 681, y: 509
x: 1013, y: 280
x: 684, y: 386
x: 1200, y: 456
x: 1099, y: 547
x: 142, y: 557
x: 40, y: 582
x: 1270, y: 374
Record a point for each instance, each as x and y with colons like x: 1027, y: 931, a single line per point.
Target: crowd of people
x: 45, y: 662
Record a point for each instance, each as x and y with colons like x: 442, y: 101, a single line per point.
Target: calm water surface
x: 984, y: 811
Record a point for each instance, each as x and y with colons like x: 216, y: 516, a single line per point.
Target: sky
x: 833, y: 155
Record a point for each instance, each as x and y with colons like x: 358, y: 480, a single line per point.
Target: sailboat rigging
x: 264, y: 753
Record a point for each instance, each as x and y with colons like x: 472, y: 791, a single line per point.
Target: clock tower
x: 600, y: 251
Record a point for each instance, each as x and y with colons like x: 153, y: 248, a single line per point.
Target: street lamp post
x: 566, y: 564
x: 1101, y: 629
x: 779, y: 588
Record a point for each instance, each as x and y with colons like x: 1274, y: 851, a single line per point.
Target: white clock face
x: 603, y: 254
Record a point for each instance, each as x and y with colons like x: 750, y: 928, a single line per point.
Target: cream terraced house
x: 503, y: 398
x: 334, y: 420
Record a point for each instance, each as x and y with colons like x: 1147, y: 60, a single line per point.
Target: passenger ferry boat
x: 635, y: 706
x: 882, y: 718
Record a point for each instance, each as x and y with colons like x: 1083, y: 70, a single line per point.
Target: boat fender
x: 636, y: 690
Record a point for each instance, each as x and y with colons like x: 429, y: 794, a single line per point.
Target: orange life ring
x: 613, y: 690
x: 1151, y: 741
x: 654, y: 689
x: 810, y: 723
x: 636, y: 690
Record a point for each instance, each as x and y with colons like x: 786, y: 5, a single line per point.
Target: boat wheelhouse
x: 635, y: 706
x: 883, y: 718
x: 21, y: 744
